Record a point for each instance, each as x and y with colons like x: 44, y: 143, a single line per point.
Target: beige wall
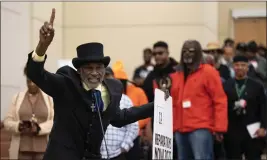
x: 225, y: 17
x: 126, y: 28
x: 20, y: 23
x: 15, y: 43
x: 41, y: 12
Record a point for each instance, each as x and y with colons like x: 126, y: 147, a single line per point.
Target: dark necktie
x: 97, y: 101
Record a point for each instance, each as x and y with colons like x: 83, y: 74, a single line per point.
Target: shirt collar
x: 99, y: 87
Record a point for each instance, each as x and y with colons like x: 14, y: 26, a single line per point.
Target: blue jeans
x: 194, y: 145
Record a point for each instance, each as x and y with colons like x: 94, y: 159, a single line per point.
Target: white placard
x: 64, y: 62
x: 163, y: 132
x: 252, y: 128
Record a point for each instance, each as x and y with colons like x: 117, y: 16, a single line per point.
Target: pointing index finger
x: 52, y: 17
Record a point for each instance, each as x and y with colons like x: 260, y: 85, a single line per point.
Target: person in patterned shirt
x: 119, y: 140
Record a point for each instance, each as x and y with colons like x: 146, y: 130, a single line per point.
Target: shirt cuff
x: 37, y: 58
x: 126, y: 146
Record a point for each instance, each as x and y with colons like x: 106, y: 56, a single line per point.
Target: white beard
x: 188, y: 60
x: 88, y: 83
x: 91, y: 85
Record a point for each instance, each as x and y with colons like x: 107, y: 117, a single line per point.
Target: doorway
x: 246, y: 29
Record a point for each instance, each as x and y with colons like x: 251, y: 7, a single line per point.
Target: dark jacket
x: 157, y: 74
x: 255, y: 110
x: 224, y: 72
x: 76, y: 132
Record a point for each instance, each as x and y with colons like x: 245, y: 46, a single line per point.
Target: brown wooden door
x: 246, y: 29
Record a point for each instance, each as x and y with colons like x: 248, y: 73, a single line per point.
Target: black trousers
x: 219, y: 151
x: 119, y: 157
x: 236, y: 146
x: 135, y: 151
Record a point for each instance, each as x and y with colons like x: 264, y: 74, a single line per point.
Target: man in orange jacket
x: 138, y: 96
x: 199, y: 105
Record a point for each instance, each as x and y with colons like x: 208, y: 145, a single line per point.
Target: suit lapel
x: 109, y: 89
x: 80, y: 110
x: 114, y: 94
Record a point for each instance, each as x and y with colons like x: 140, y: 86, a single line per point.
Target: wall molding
x: 184, y: 24
x: 248, y: 13
x: 10, y: 86
x: 10, y: 10
x: 104, y: 26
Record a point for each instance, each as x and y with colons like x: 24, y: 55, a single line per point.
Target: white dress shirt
x: 119, y: 138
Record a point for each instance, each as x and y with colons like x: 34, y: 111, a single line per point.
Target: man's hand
x: 46, y: 35
x: 261, y: 133
x: 166, y: 91
x: 219, y: 137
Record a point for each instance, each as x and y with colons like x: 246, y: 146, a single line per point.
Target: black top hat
x: 252, y: 46
x: 241, y: 47
x: 90, y: 52
x: 240, y: 58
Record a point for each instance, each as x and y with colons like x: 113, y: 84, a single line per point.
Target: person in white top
x: 119, y: 140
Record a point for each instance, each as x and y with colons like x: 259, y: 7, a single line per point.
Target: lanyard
x: 240, y: 90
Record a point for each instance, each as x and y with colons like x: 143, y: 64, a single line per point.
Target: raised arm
x: 133, y: 114
x: 51, y: 84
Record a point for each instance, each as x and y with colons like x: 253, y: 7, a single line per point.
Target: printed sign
x: 163, y: 129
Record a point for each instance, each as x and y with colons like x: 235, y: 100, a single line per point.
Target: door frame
x: 245, y: 13
x: 248, y: 13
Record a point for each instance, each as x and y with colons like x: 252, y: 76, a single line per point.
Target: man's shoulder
x: 134, y: 87
x: 139, y: 68
x: 112, y: 81
x: 150, y: 77
x: 229, y: 81
x: 210, y: 70
x: 222, y: 66
x: 255, y: 83
x: 261, y: 59
x: 66, y: 71
x: 114, y: 85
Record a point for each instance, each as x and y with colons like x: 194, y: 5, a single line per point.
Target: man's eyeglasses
x: 211, y: 52
x: 191, y: 50
x: 158, y: 53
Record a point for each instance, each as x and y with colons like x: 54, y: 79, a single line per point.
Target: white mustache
x: 188, y: 60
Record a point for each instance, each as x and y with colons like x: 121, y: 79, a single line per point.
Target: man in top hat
x: 84, y: 102
x: 213, y: 49
x: 246, y: 108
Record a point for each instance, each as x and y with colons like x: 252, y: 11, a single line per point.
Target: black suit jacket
x: 76, y: 131
x: 255, y: 109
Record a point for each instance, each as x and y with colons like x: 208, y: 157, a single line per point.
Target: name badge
x: 186, y: 104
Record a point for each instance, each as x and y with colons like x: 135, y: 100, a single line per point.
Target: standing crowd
x: 93, y: 111
x: 219, y: 104
x: 219, y: 93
